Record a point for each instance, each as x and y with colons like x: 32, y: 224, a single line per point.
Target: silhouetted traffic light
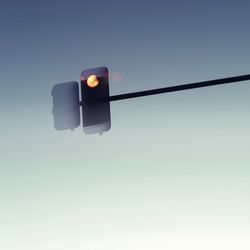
x: 95, y: 110
x: 96, y: 100
x: 66, y: 107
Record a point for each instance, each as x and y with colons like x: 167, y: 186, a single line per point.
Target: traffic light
x: 66, y: 108
x: 96, y: 100
x: 94, y: 91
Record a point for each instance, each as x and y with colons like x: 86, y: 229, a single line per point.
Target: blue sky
x: 174, y: 164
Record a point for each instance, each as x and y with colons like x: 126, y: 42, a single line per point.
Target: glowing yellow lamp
x: 92, y: 81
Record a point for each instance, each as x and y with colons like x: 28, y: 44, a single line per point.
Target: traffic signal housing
x: 66, y: 108
x: 95, y: 109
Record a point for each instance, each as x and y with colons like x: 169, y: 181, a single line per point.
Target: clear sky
x: 173, y: 171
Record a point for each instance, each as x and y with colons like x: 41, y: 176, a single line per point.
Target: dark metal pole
x: 179, y: 88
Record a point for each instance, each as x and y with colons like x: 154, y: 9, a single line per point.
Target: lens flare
x: 116, y: 77
x: 92, y: 81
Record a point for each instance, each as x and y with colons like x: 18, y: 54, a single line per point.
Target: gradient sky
x: 173, y: 171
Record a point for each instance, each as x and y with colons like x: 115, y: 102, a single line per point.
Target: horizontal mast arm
x: 179, y: 88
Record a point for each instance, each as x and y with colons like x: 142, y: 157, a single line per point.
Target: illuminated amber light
x: 92, y: 81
